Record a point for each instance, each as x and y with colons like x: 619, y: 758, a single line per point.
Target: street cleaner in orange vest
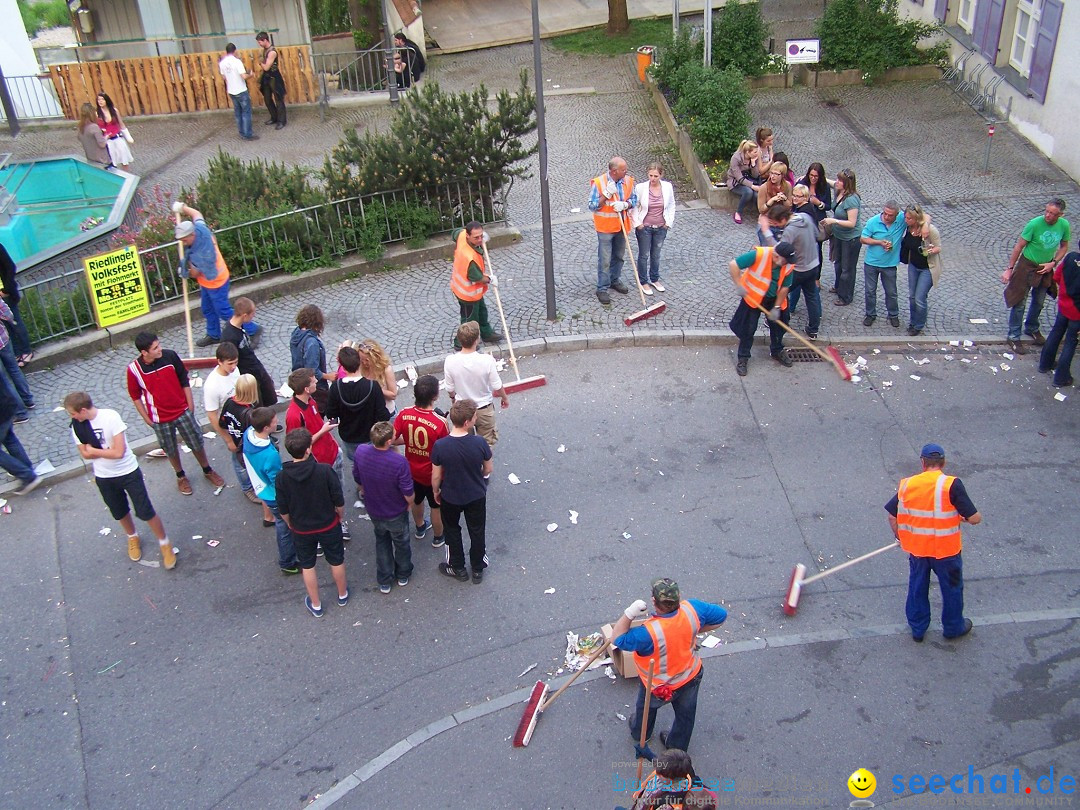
x: 925, y: 515
x: 470, y: 279
x: 610, y: 197
x: 762, y: 277
x: 668, y: 640
x: 204, y: 263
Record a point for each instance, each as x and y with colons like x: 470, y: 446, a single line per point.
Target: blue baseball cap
x: 934, y: 451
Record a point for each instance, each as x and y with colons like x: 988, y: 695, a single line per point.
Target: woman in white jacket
x: 652, y: 217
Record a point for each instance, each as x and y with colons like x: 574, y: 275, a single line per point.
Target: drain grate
x: 804, y: 356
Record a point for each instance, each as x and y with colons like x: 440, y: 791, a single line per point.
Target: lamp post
x: 541, y: 136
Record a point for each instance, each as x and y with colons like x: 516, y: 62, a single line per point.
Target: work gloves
x: 638, y: 610
x: 774, y: 314
x: 620, y: 206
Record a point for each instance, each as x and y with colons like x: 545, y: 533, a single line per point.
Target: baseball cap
x: 787, y: 250
x: 935, y: 451
x: 185, y: 228
x: 665, y: 590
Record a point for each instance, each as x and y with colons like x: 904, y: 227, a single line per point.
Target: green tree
x: 713, y: 107
x: 871, y: 36
x: 739, y: 36
x: 436, y: 137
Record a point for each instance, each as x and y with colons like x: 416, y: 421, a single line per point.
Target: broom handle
x: 502, y: 316
x: 844, y: 565
x: 822, y: 354
x: 633, y: 264
x: 645, y: 716
x: 187, y: 311
x: 576, y: 675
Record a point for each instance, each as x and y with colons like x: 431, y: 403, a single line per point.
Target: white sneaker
x: 659, y: 287
x: 645, y: 288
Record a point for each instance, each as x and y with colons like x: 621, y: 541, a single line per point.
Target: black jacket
x: 309, y: 492
x: 359, y: 403
x: 7, y: 277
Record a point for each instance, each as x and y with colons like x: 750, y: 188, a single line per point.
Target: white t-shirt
x: 471, y: 375
x: 218, y: 388
x: 107, y: 426
x: 233, y: 69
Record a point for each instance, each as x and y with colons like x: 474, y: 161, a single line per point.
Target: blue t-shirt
x: 876, y: 255
x: 637, y: 639
x: 462, y: 460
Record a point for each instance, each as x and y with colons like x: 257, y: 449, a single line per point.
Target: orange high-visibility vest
x: 606, y: 218
x: 222, y: 272
x: 464, y: 254
x: 757, y: 278
x: 677, y: 662
x: 926, y: 520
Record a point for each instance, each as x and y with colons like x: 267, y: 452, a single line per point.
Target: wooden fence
x: 158, y: 85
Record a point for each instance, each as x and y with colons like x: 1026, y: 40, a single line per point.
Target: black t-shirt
x: 248, y: 363
x: 462, y: 460
x: 911, y: 251
x: 235, y: 418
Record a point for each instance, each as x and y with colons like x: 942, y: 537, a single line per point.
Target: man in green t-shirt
x: 1042, y: 244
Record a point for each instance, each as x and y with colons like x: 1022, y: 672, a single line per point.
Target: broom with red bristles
x: 521, y: 383
x: 829, y: 355
x: 536, y: 703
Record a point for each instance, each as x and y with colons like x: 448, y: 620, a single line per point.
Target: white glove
x: 741, y: 290
x: 620, y: 206
x: 610, y: 190
x: 494, y: 280
x: 774, y: 314
x: 178, y: 207
x: 636, y: 610
x: 487, y: 237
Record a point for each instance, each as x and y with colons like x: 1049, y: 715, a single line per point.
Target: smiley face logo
x: 862, y: 784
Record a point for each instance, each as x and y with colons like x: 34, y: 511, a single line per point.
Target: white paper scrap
x: 550, y: 591
x: 561, y: 448
x: 710, y: 642
x: 573, y: 517
x: 968, y: 344
x: 410, y: 372
x: 1005, y: 367
x: 965, y: 360
x: 894, y: 368
x: 860, y: 360
x: 1007, y: 355
x: 621, y: 716
x: 856, y: 378
x: 196, y: 537
x: 527, y: 670
x: 150, y: 563
x: 575, y: 210
x: 552, y: 527
x: 1060, y: 397
x: 402, y: 383
x: 209, y: 434
x: 58, y: 409
x: 609, y: 673
x: 886, y: 384
x: 626, y: 535
x: 922, y: 362
x: 196, y: 383
x: 105, y: 531
x: 513, y: 479
x: 949, y: 357
x: 44, y: 466
x: 877, y: 351
x: 978, y: 320
x: 954, y: 342
x: 915, y: 377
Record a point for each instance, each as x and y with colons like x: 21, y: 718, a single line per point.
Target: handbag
x: 824, y: 231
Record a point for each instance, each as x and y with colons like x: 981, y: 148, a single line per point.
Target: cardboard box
x: 623, y: 662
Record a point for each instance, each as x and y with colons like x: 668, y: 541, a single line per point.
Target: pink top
x: 655, y: 217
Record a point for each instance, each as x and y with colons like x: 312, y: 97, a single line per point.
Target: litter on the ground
x: 6, y: 508
x: 527, y: 670
x: 402, y: 383
x: 213, y: 543
x: 150, y: 563
x: 954, y: 342
x: 915, y: 377
x: 552, y: 527
x: 575, y: 210
x: 1005, y: 367
x: 1007, y: 355
x: 513, y: 479
x: 573, y: 517
x: 608, y: 671
x: 196, y: 537
x: 44, y: 467
x: 185, y: 448
x: 157, y: 452
x: 550, y: 591
x: 196, y: 382
x: 922, y: 362
x: 710, y: 642
x: 561, y: 448
x: 209, y: 434
x: 105, y: 531
x: 626, y: 535
x: 877, y: 351
x: 964, y: 360
x: 854, y: 378
x: 579, y: 648
x: 894, y: 368
x: 1060, y: 397
x: 500, y: 365
x: 886, y: 384
x: 219, y: 490
x: 950, y: 357
x: 621, y: 716
x: 968, y: 344
x: 410, y: 372
x: 978, y: 320
x: 58, y: 408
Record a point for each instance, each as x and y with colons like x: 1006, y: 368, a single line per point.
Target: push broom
x: 521, y: 383
x: 647, y: 311
x: 799, y: 578
x: 829, y: 354
x: 536, y: 703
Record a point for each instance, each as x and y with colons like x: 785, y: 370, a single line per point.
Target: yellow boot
x: 134, y: 548
x: 168, y: 558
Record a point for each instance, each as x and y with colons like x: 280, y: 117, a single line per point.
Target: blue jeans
x: 393, y: 549
x: 919, y: 283
x: 950, y: 575
x: 1031, y: 323
x: 609, y: 259
x: 286, y: 549
x: 216, y: 308
x: 871, y: 274
x: 847, y: 261
x: 807, y: 283
x: 12, y: 377
x: 13, y: 457
x: 650, y: 238
x: 1063, y: 328
x: 746, y: 196
x: 241, y: 471
x: 20, y: 338
x: 241, y: 104
x: 684, y: 702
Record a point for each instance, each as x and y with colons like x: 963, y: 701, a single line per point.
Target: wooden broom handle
x: 576, y: 675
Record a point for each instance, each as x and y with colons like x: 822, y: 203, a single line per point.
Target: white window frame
x: 969, y: 22
x: 1032, y: 9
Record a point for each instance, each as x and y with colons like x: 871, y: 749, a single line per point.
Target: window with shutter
x: 986, y: 32
x: 941, y: 7
x: 965, y: 14
x: 1043, y: 51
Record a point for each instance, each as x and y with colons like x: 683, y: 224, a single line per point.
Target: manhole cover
x: 804, y: 356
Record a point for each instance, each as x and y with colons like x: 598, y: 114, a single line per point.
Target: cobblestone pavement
x: 929, y: 149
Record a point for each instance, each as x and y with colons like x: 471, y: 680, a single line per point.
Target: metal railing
x: 342, y: 74
x: 56, y: 302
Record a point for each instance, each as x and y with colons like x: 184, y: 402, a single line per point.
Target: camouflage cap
x: 665, y: 590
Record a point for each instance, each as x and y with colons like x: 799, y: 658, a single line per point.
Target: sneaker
x: 603, y: 297
x: 494, y: 337
x: 916, y: 639
x: 318, y: 550
x: 346, y: 535
x: 783, y: 358
x: 740, y: 367
x: 21, y: 420
x: 894, y: 322
x: 659, y: 287
x: 183, y: 485
x: 384, y: 589
x: 911, y: 330
x: 737, y: 217
x: 214, y: 479
x: 29, y: 486
x: 251, y: 496
x: 343, y: 600
x: 206, y: 340
x: 1037, y: 338
x: 437, y: 541
x: 869, y: 320
x: 402, y: 582
x: 317, y: 612
x: 358, y: 503
x: 289, y: 570
x: 134, y: 549
x: 965, y: 631
x: 421, y: 531
x: 812, y: 335
x: 255, y: 337
x: 168, y: 557
x: 1066, y: 384
x: 460, y: 574
x: 645, y: 288
x: 619, y: 287
x: 268, y: 523
x: 1017, y: 346
x: 477, y: 576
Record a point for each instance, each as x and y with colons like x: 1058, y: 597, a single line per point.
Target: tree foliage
x: 436, y: 137
x: 712, y: 105
x: 738, y: 39
x: 870, y: 35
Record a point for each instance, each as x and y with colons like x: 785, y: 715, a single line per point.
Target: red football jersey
x: 421, y: 430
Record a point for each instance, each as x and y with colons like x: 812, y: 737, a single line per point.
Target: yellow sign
x: 117, y: 286
x: 862, y: 783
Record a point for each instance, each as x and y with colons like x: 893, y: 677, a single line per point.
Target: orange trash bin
x: 644, y: 59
